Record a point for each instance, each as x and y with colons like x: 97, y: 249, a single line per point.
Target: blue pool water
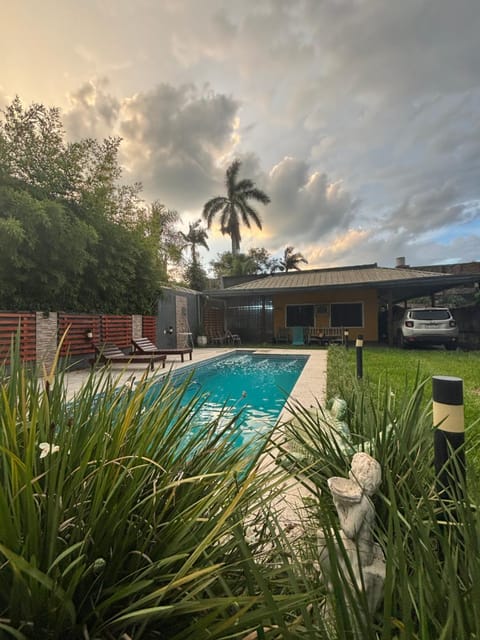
x: 252, y: 384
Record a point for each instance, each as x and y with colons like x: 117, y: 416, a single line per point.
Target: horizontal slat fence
x: 82, y: 332
x: 9, y: 325
x: 117, y: 329
x: 149, y: 328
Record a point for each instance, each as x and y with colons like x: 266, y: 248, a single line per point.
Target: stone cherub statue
x: 351, y: 497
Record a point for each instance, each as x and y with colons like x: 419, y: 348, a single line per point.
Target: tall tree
x: 291, y: 259
x: 234, y: 208
x: 195, y: 237
x: 158, y: 225
x: 194, y: 273
x: 33, y: 150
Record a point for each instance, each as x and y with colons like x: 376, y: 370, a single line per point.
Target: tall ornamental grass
x: 119, y: 521
x: 432, y: 547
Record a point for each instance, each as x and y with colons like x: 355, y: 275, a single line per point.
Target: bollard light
x: 89, y: 334
x: 345, y: 337
x: 359, y: 352
x: 449, y: 437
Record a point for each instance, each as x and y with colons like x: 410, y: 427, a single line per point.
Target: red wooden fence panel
x: 149, y: 328
x: 9, y: 324
x: 117, y: 329
x: 82, y: 332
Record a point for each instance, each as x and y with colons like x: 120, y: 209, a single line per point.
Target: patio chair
x: 232, y: 338
x: 107, y: 352
x: 146, y: 346
x: 216, y: 337
x: 283, y: 335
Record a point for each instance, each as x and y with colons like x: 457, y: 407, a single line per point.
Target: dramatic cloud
x: 173, y: 138
x: 93, y: 111
x: 305, y: 203
x: 359, y: 118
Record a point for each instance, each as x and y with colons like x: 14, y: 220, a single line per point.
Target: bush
x: 117, y: 522
x: 432, y: 547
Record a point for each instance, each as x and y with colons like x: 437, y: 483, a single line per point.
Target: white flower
x: 46, y: 448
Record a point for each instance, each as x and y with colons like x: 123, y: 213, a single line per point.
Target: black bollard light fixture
x: 449, y: 437
x: 359, y: 353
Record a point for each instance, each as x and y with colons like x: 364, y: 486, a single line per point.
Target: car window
x: 430, y: 314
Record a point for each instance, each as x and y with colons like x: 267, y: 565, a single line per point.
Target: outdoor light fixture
x: 89, y: 334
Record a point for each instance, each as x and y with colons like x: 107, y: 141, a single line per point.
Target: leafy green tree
x: 229, y: 264
x: 256, y: 261
x: 33, y: 150
x: 195, y: 276
x: 45, y: 251
x: 234, y: 208
x: 291, y: 259
x: 264, y: 261
x: 158, y: 225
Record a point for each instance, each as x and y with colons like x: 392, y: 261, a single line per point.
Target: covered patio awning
x: 393, y: 284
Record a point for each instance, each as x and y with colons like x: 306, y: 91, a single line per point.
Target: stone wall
x: 137, y: 327
x: 46, y: 338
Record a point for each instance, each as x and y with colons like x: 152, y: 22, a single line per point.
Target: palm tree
x: 234, y: 207
x: 291, y: 259
x: 196, y: 236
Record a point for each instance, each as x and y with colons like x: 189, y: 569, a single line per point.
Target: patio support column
x: 264, y: 330
x: 391, y: 337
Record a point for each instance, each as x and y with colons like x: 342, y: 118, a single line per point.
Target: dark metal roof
x: 392, y: 283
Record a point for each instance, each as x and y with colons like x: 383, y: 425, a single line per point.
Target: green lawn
x: 397, y: 369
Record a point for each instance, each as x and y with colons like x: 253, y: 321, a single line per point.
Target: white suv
x: 429, y: 325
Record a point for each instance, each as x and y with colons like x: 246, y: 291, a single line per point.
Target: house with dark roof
x: 351, y: 298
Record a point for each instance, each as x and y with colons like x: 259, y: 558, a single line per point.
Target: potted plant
x: 201, y: 336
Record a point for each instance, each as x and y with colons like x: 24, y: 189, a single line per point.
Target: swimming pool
x: 249, y: 386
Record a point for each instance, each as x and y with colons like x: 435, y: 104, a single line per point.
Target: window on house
x: 300, y: 315
x: 347, y: 314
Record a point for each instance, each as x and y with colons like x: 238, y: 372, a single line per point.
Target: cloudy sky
x: 360, y: 118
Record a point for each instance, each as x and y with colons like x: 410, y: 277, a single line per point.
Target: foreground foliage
x: 116, y: 521
x: 432, y: 548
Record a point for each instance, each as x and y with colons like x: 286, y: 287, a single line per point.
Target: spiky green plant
x: 119, y: 521
x: 431, y: 546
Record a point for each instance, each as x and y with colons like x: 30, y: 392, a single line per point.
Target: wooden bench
x: 326, y: 335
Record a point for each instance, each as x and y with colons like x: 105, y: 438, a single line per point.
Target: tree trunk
x: 235, y: 236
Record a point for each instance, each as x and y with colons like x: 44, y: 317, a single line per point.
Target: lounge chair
x: 145, y: 346
x: 107, y: 352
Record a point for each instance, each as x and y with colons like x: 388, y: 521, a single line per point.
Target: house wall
x: 367, y: 296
